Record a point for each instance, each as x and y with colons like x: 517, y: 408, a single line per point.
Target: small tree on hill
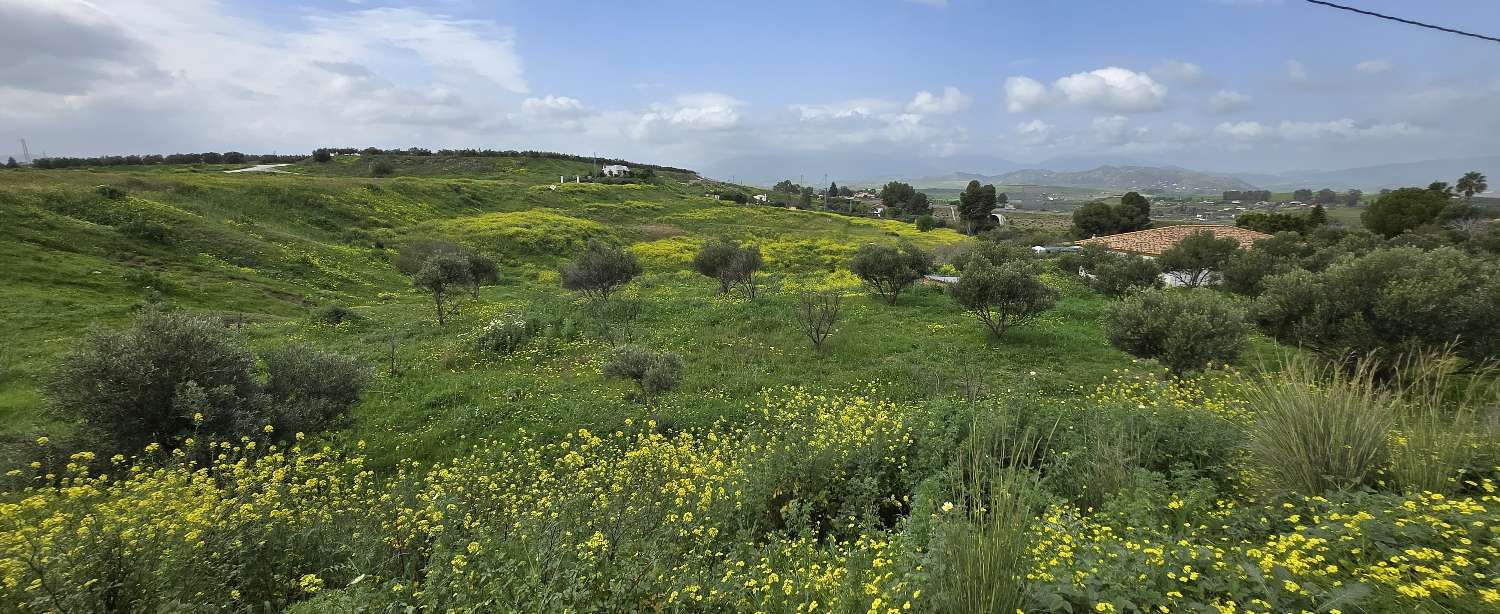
x: 322, y: 155
x: 1134, y: 212
x: 729, y: 263
x: 11, y: 163
x: 975, y: 204
x: 482, y: 272
x: 1119, y: 274
x: 1003, y: 296
x: 1317, y: 217
x: 382, y: 168
x: 1196, y: 258
x: 1185, y: 330
x: 817, y: 312
x: 890, y: 270
x: 600, y: 270
x: 439, y: 275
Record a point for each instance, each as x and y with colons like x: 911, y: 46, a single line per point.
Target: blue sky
x: 759, y: 89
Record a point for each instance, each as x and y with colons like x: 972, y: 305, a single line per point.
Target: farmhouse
x: 1153, y: 242
x: 615, y: 170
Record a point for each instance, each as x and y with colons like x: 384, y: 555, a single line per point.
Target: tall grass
x: 1319, y: 428
x: 983, y: 539
x: 1445, y: 421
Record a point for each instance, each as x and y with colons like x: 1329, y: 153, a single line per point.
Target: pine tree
x: 1317, y: 217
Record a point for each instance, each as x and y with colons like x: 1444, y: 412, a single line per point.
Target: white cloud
x: 1176, y: 70
x: 701, y: 112
x: 863, y: 108
x: 1227, y: 101
x: 1338, y: 129
x: 1112, y: 129
x: 1113, y: 89
x: 1296, y: 71
x: 1034, y: 132
x: 950, y: 101
x: 1372, y: 67
x: 553, y: 106
x: 1023, y: 94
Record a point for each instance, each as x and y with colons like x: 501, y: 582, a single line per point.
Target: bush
x: 1319, y: 429
x: 1120, y: 274
x: 382, y: 168
x: 440, y: 275
x: 336, y: 314
x: 600, y: 270
x: 1185, y: 330
x: 1401, y: 210
x: 146, y: 384
x: 1392, y: 299
x: 110, y: 192
x: 730, y: 264
x: 1002, y: 296
x: 147, y: 230
x: 506, y: 334
x: 169, y: 375
x: 307, y: 390
x: 817, y: 312
x: 890, y: 270
x: 654, y: 373
x: 927, y: 222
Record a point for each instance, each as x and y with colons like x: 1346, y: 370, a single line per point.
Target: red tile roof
x: 1154, y: 241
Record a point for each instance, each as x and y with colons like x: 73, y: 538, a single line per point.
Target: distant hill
x: 1155, y: 179
x: 1371, y: 178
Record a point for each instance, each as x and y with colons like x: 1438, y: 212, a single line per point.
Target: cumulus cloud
x: 702, y: 112
x: 1372, y: 67
x: 1176, y: 70
x: 863, y: 108
x: 1227, y: 101
x: 950, y: 101
x: 1113, y: 89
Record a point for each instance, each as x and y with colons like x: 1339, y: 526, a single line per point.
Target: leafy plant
x: 1185, y: 330
x: 1002, y: 296
x: 600, y: 270
x: 890, y: 270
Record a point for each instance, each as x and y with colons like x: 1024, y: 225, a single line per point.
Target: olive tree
x: 817, y: 312
x: 600, y: 270
x: 1198, y: 257
x: 730, y: 264
x: 1002, y: 296
x: 439, y: 275
x: 654, y: 373
x: 1182, y: 329
x: 890, y: 270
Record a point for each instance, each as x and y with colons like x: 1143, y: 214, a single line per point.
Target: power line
x: 1406, y: 21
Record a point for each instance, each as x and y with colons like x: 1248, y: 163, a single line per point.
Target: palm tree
x: 1473, y: 182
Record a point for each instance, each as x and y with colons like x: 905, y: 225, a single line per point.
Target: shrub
x: 600, y: 270
x: 336, y: 314
x: 889, y: 270
x: 382, y: 168
x: 817, y: 312
x: 927, y: 222
x: 1197, y: 257
x: 1319, y: 429
x: 147, y: 230
x: 147, y: 383
x: 1392, y: 299
x: 729, y: 263
x: 1185, y: 330
x: 308, y: 390
x: 1002, y: 296
x: 654, y: 373
x: 110, y: 192
x: 505, y: 335
x: 1119, y: 274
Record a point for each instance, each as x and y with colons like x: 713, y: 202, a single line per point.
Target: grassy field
x: 914, y: 463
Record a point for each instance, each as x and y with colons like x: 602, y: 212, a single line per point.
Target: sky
x: 759, y: 89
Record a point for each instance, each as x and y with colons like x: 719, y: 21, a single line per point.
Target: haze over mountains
x: 1102, y: 172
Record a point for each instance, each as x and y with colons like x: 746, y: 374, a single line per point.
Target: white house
x: 760, y: 198
x: 616, y: 170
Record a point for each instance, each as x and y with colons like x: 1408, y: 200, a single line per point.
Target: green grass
x: 270, y: 248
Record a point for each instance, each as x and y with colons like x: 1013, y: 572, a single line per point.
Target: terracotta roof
x: 1154, y: 241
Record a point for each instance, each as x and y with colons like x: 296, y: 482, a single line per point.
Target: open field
x: 913, y: 463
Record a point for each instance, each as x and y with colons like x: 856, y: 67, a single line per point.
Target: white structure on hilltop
x: 616, y: 170
x: 760, y: 198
